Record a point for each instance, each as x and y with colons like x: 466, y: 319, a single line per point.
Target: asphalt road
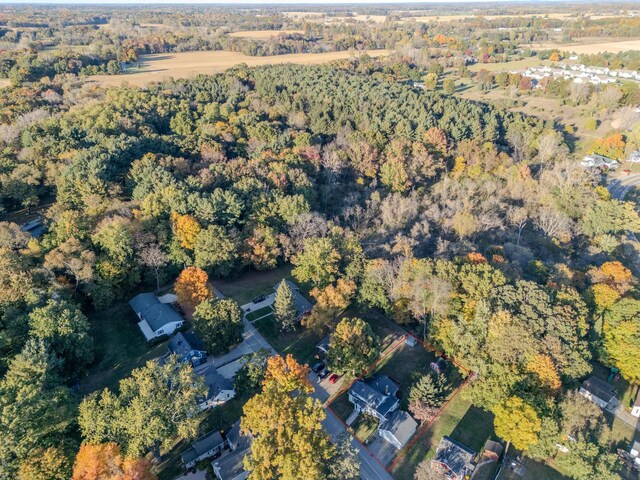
x: 619, y: 187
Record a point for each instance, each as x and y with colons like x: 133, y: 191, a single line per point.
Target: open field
x: 162, y: 66
x: 450, y: 18
x: 591, y: 48
x: 262, y: 34
x: 508, y: 66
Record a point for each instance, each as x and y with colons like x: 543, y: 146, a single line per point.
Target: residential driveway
x: 252, y: 307
x: 199, y: 475
x: 229, y: 370
x: 383, y: 450
x: 625, y: 416
x: 254, y: 338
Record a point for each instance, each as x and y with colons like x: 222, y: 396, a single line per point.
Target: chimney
x: 386, y: 389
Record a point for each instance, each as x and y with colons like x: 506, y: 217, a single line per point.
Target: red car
x: 334, y: 378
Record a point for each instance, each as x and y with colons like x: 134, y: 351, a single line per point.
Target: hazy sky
x: 293, y: 3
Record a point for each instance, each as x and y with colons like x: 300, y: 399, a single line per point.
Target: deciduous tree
x: 191, y: 287
x: 517, y: 422
x: 219, y: 324
x: 106, y: 462
x: 353, y: 347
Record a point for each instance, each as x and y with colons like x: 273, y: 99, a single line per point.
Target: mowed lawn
x: 250, y: 284
x: 119, y: 347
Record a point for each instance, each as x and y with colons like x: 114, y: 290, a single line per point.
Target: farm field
x: 262, y: 34
x: 591, y: 48
x: 162, y: 66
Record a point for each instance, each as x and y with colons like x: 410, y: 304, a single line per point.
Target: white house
x: 600, y: 392
x: 156, y: 318
x: 231, y: 466
x: 219, y: 389
x: 208, y: 446
x: 376, y: 397
x: 398, y: 429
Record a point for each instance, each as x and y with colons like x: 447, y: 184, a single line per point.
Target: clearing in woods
x: 162, y: 66
x: 262, y: 34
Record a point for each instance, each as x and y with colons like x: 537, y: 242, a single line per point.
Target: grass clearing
x: 250, y: 284
x: 263, y: 34
x: 341, y: 406
x: 261, y: 312
x: 592, y: 48
x: 508, y: 66
x: 163, y: 66
x: 119, y: 348
x: 364, y: 427
x: 300, y: 343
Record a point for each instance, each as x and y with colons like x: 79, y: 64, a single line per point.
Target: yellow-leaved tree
x: 284, y: 421
x: 517, y: 422
x: 186, y: 228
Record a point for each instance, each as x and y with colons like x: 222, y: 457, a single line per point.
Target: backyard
x: 250, y: 284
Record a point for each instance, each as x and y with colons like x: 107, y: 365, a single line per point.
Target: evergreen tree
x: 284, y: 306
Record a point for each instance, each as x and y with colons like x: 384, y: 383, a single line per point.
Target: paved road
x: 619, y: 187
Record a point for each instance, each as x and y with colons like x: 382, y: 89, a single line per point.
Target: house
x: 35, y: 228
x: 398, y: 429
x: 231, y: 466
x: 453, y: 459
x: 156, y: 318
x: 492, y: 450
x: 188, y: 348
x: 208, y: 446
x: 599, y: 392
x: 376, y: 397
x: 303, y: 306
x: 635, y: 410
x: 598, y: 161
x: 635, y: 155
x: 439, y: 365
x: 219, y: 389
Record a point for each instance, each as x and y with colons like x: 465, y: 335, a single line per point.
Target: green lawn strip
x: 261, y: 312
x: 251, y: 284
x: 534, y: 471
x: 364, y: 427
x: 119, y: 347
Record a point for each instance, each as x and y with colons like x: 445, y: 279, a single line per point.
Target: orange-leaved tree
x: 106, y: 462
x: 191, y: 287
x: 186, y: 228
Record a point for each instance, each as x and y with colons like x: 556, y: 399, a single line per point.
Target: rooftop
x: 214, y: 381
x: 599, y: 388
x: 401, y: 425
x: 156, y: 314
x: 183, y: 343
x: 202, y: 445
x: 457, y: 458
x: 378, y: 393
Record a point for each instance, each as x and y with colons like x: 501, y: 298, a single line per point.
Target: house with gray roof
x: 231, y: 466
x: 453, y: 460
x: 600, y: 392
x: 208, y: 446
x: 398, y: 429
x: 303, y: 305
x: 219, y: 389
x: 156, y: 318
x: 188, y: 348
x: 376, y: 397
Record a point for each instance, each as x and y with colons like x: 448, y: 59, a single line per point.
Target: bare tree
x: 153, y: 257
x: 609, y: 98
x: 518, y: 217
x: 580, y: 93
x: 429, y: 299
x: 71, y: 257
x: 550, y: 148
x: 553, y: 223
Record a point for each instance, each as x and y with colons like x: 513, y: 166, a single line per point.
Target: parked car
x: 259, y: 298
x: 334, y: 378
x: 324, y: 371
x: 317, y: 367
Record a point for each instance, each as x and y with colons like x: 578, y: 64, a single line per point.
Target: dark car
x: 259, y: 298
x: 317, y: 367
x: 324, y: 371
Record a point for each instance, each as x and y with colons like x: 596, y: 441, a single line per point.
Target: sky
x: 293, y: 3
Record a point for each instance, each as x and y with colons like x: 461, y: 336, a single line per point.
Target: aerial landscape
x: 320, y: 241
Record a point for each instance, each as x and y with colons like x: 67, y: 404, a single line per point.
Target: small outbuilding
x: 492, y: 450
x: 439, y: 365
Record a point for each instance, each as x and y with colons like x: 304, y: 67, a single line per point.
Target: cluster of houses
x: 225, y: 451
x: 579, y: 74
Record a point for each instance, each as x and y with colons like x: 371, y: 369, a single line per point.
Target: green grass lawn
x: 341, y: 406
x: 364, y: 427
x: 387, y: 331
x: 261, y: 312
x: 463, y: 422
x: 119, y: 348
x: 251, y: 284
x: 300, y: 343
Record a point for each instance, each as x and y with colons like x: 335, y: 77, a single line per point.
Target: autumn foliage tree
x: 612, y: 146
x: 106, y: 462
x: 186, y: 228
x: 517, y: 422
x: 191, y: 287
x: 353, y: 347
x: 285, y: 423
x: 545, y: 371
